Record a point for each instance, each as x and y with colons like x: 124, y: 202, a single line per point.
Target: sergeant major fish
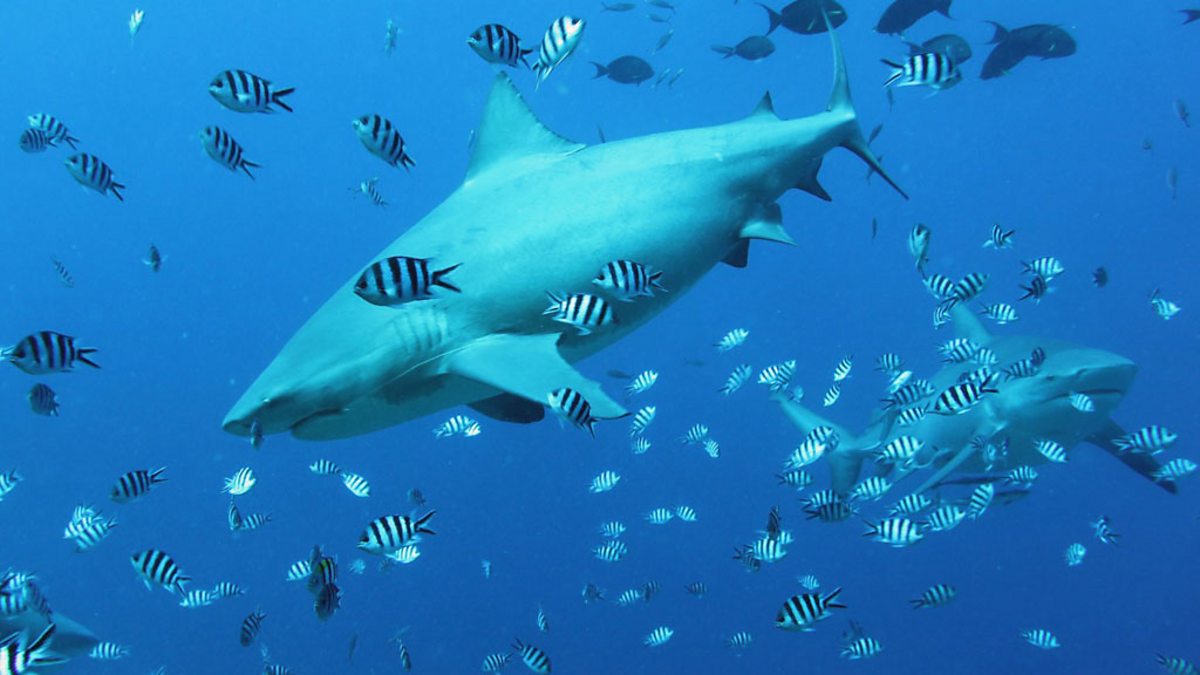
x: 560, y: 40
x: 91, y: 172
x: 225, y: 151
x: 242, y: 91
x: 495, y: 43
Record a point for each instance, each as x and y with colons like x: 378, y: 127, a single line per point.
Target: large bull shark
x: 538, y: 213
x: 1023, y: 410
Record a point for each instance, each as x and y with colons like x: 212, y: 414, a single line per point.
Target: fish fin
x: 739, y: 257
x: 1142, y: 463
x: 722, y: 49
x: 944, y: 9
x: 947, y: 468
x: 601, y: 70
x: 811, y: 185
x: 765, y: 107
x: 509, y: 130
x: 509, y: 408
x: 766, y: 224
x: 114, y: 188
x: 1000, y: 34
x: 530, y: 367
x: 775, y: 19
x: 968, y: 325
x: 277, y: 98
x: 841, y: 101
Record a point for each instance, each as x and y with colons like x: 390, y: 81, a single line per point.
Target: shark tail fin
x: 841, y: 101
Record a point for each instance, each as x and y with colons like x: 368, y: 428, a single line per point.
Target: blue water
x: 1054, y: 150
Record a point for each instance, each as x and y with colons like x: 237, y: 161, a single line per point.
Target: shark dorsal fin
x: 967, y: 325
x: 510, y: 130
x: 765, y: 107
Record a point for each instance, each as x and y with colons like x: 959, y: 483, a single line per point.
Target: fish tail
x: 555, y: 303
x: 897, y: 72
x: 601, y: 70
x: 775, y: 19
x: 70, y: 140
x: 156, y: 475
x: 277, y: 98
x: 1000, y: 35
x: 438, y: 279
x: 419, y: 526
x: 82, y: 355
x: 722, y: 49
x: 247, y: 165
x: 114, y: 189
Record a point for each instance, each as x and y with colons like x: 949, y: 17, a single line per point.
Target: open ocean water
x: 1074, y: 153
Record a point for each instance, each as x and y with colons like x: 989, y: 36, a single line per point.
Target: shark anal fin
x: 811, y: 185
x: 767, y: 225
x: 740, y: 255
x: 509, y: 408
x: 510, y: 130
x: 529, y: 367
x: 1142, y: 463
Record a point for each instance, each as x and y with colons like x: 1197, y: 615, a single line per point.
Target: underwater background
x: 1054, y: 150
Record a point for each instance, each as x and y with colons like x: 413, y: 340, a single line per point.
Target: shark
x: 539, y: 213
x: 1023, y: 410
x: 70, y: 640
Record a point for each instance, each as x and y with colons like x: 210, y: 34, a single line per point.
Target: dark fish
x: 663, y: 4
x: 753, y: 48
x: 1012, y: 46
x: 1181, y: 111
x: 353, y: 647
x: 153, y: 259
x: 1100, y: 277
x: 64, y: 274
x: 251, y: 625
x: 662, y: 41
x: 902, y: 14
x: 626, y: 70
x: 43, y: 400
x: 1190, y: 15
x: 951, y: 45
x: 617, y: 6
x: 804, y: 16
x: 416, y: 497
x: 658, y: 18
x: 874, y: 228
x: 600, y: 133
x: 874, y: 133
x: 328, y: 600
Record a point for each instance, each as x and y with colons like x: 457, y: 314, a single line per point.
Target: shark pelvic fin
x: 510, y: 130
x: 529, y: 367
x: 968, y: 325
x: 510, y: 408
x: 765, y: 107
x: 1142, y: 463
x: 841, y: 101
x: 947, y: 468
x: 767, y: 224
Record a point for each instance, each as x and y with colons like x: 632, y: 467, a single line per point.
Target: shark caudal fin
x: 840, y: 101
x: 845, y: 463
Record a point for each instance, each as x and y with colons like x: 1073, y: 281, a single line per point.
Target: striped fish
x: 862, y: 648
x: 91, y: 172
x: 842, y: 370
x: 736, y: 380
x: 910, y: 416
x: 251, y: 625
x: 1041, y: 638
x: 300, y: 570
x: 642, y: 419
x: 945, y: 518
x: 19, y: 655
x: 495, y: 43
x: 1051, y: 450
x: 958, y: 350
x: 777, y: 377
x: 626, y: 280
x: 1047, y: 267
x: 64, y: 274
x: 388, y: 533
x: 233, y: 516
x: 980, y: 500
x: 809, y: 582
x: 135, y: 484
x: 108, y: 651
x: 457, y: 425
x: 611, y: 551
x: 732, y: 339
x: 795, y: 478
x: 405, y: 555
x: 940, y: 286
x: 562, y: 37
x: 1036, y: 290
x: 832, y: 394
x: 685, y: 514
x: 697, y: 589
x: 642, y: 382
x: 87, y: 532
x: 157, y: 567
x: 658, y: 637
x: 227, y: 589
x: 961, y: 398
x: 1174, y: 470
x: 43, y: 400
x: 900, y: 450
x: 639, y: 445
x: 34, y: 140
x: 889, y: 363
x: 367, y: 187
x: 933, y: 69
x: 969, y: 287
x: 872, y: 488
x: 802, y: 612
x: 254, y: 521
x: 910, y: 393
x: 240, y: 482
x: 494, y: 663
x: 356, y: 484
x: 382, y: 139
x: 1000, y: 238
x: 1075, y: 554
x: 47, y: 352
x: 896, y: 532
x: 612, y: 529
x: 197, y: 598
x: 1082, y: 402
x: 1001, y: 312
x: 583, y: 311
x: 1177, y: 665
x: 241, y: 91
x: 1021, y: 475
x: 941, y: 315
x: 325, y: 467
x: 1165, y: 309
x: 808, y: 451
x: 1151, y: 439
x: 659, y: 516
x: 604, y: 481
x: 739, y: 640
x: 225, y: 151
x: 399, y: 279
x: 1102, y: 529
x: 918, y: 245
x: 910, y: 504
x: 572, y: 407
x: 53, y: 127
x: 935, y: 596
x: 534, y: 658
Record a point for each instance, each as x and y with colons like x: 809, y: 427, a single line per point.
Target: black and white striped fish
x: 802, y: 612
x: 1021, y: 475
x: 383, y: 140
x: 561, y: 38
x: 458, y: 425
x: 900, y: 450
x: 1177, y: 665
x: 34, y: 140
x: 889, y: 363
x: 642, y: 382
x: 795, y: 478
x: 1000, y: 312
x: 572, y: 407
x: 863, y: 647
x: 233, y: 516
x: 739, y: 640
x: 970, y: 286
x: 945, y: 518
x: 1046, y: 267
x: 91, y: 172
x: 613, y: 529
x: 918, y: 245
x: 1051, y: 450
x: 940, y: 286
x: 1082, y: 402
x: 611, y: 551
x: 43, y: 400
x: 1000, y: 238
x: 399, y: 279
x: 584, y: 311
x: 47, y: 352
x: 1102, y: 529
x: 53, y: 127
x: 961, y: 398
x: 897, y: 532
x: 240, y: 482
x: 980, y: 500
x: 841, y: 371
x: 642, y: 419
x: 910, y: 416
x: 225, y: 151
x: 367, y: 187
x: 388, y: 533
x: 659, y: 516
x: 88, y: 529
x: 495, y: 43
x: 697, y: 589
x: 1174, y: 470
x: 910, y: 504
x: 543, y: 623
x: 227, y: 589
x: 108, y: 651
x: 241, y: 91
x: 732, y: 339
x: 909, y: 394
x: 935, y: 596
x: 157, y: 567
x: 1151, y: 439
x: 658, y: 637
x: 1041, y: 638
x: 534, y: 658
x: 958, y: 350
x: 736, y: 380
x: 251, y: 625
x: 778, y: 376
x: 325, y: 467
x: 135, y: 484
x: 196, y: 598
x: 19, y: 655
x: 1164, y: 308
x: 494, y: 663
x: 626, y: 280
x: 253, y: 521
x: 941, y: 315
x: 64, y: 274
x: 872, y: 488
x: 933, y: 69
x: 604, y: 481
x: 300, y: 570
x: 1036, y: 290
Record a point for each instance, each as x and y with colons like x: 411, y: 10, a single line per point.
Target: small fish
x: 227, y: 589
x: 1174, y: 470
x: 91, y: 172
x: 940, y: 286
x: 1100, y: 277
x: 240, y: 482
x: 658, y: 637
x: 560, y: 40
x: 889, y: 363
x: 494, y: 663
x: 626, y: 280
x: 391, y: 32
x: 1165, y: 309
x: 225, y: 150
x: 300, y: 570
x: 534, y: 658
x: 659, y: 516
x: 753, y: 48
x: 1075, y: 554
x: 807, y: 452
x: 154, y: 259
x: 1046, y: 267
x: 325, y: 467
x: 642, y: 383
x: 910, y: 504
x: 945, y: 518
x: 862, y: 648
x: 910, y: 416
x: 135, y: 484
x: 604, y: 481
x: 802, y: 612
x: 358, y: 566
x: 53, y: 128
x: 135, y: 22
x: 900, y: 450
x: 251, y: 625
x: 1051, y: 450
x: 1102, y: 529
x: 734, y: 338
x: 34, y: 140
x: 778, y: 376
x: 543, y: 623
x: 874, y: 221
x: 918, y: 245
x: 458, y: 425
x: 241, y: 91
x: 1036, y: 290
x: 980, y: 500
x: 1041, y: 638
x: 897, y: 532
x: 872, y: 488
x: 842, y: 370
x: 1177, y: 665
x: 1000, y: 238
x: 416, y: 497
x: 572, y: 407
x: 1151, y: 439
x: 43, y: 400
x: 961, y: 398
x: 935, y: 70
x: 795, y: 478
x: 1181, y: 109
x: 611, y: 551
x: 389, y: 533
x: 832, y: 395
x: 1001, y: 312
x: 379, y: 136
x: 809, y: 582
x: 1021, y: 475
x: 969, y: 287
x: 685, y: 514
x: 197, y: 598
x: 697, y: 589
x: 157, y: 567
x: 399, y: 279
x: 495, y: 43
x: 736, y: 380
x: 936, y: 596
x: 617, y: 6
x: 367, y: 187
x: 405, y: 555
x: 108, y: 651
x: 642, y: 419
x: 739, y: 640
x: 583, y: 311
x: 254, y: 521
x: 356, y: 484
x: 663, y: 40
x: 612, y: 529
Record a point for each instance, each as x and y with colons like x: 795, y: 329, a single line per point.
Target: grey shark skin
x: 70, y: 640
x: 1024, y: 410
x: 539, y: 213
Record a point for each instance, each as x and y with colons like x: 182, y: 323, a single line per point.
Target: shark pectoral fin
x: 510, y: 130
x: 739, y: 257
x: 1142, y: 463
x: 530, y: 367
x: 947, y: 468
x: 767, y: 225
x: 509, y: 408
